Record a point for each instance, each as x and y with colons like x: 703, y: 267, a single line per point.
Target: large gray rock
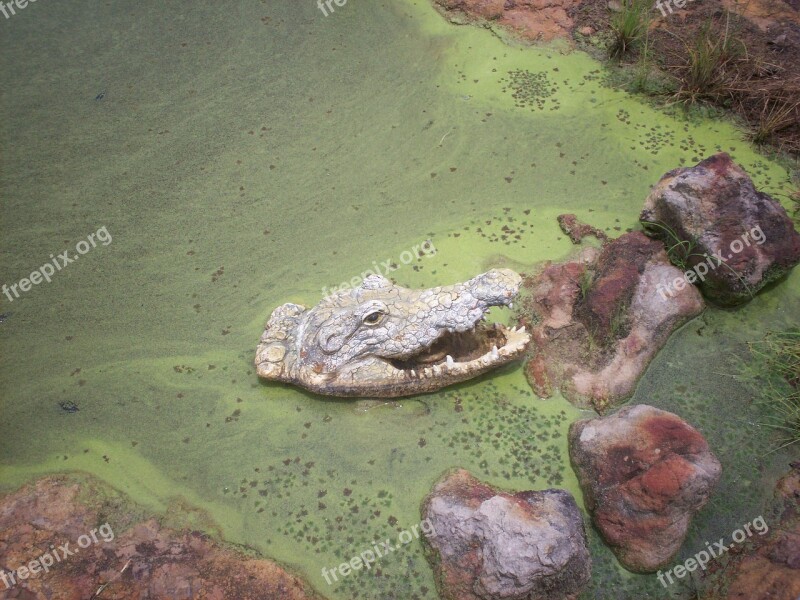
x: 734, y: 238
x: 644, y: 473
x: 492, y: 545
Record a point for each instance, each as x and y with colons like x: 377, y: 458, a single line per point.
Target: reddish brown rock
x: 576, y: 230
x: 614, y: 279
x: 644, y: 473
x: 490, y: 545
x: 598, y: 320
x: 530, y: 19
x: 735, y: 238
x: 130, y: 560
x: 485, y: 9
x: 768, y: 567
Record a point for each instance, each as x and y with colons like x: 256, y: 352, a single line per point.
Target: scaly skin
x: 382, y: 340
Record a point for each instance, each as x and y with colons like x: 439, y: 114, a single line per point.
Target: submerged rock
x: 599, y: 319
x: 576, y: 230
x: 490, y: 544
x: 96, y: 548
x: 644, y: 473
x: 732, y: 239
x: 768, y: 567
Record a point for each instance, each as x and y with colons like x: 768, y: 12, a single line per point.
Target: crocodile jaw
x: 384, y: 379
x: 443, y: 340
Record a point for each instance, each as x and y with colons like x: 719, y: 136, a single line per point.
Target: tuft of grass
x: 618, y: 327
x: 644, y: 79
x: 678, y: 250
x: 644, y: 76
x: 709, y: 72
x: 628, y: 27
x: 585, y: 282
x: 780, y: 353
x: 776, y: 115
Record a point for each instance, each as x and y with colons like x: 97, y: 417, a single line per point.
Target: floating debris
x: 68, y: 406
x: 531, y: 89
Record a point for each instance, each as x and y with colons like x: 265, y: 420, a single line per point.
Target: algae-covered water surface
x: 228, y: 158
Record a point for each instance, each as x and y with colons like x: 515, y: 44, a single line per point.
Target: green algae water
x: 245, y: 155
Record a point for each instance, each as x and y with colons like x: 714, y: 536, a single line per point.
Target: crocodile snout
x: 414, y: 341
x: 497, y: 287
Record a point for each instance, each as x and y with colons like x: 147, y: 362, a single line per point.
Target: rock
x: 530, y: 19
x: 788, y: 492
x: 486, y: 9
x: 780, y: 41
x: 586, y: 31
x: 770, y: 573
x: 644, y: 473
x: 613, y: 281
x: 490, y: 545
x: 134, y: 556
x: 575, y: 229
x: 739, y: 239
x: 598, y: 320
x: 769, y: 567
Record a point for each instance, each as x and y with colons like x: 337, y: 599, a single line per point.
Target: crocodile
x: 382, y: 340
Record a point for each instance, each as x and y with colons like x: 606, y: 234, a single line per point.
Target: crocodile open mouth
x: 456, y: 353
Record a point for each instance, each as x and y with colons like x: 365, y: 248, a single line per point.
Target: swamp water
x: 246, y: 155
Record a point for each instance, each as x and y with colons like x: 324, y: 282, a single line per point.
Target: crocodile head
x: 382, y: 340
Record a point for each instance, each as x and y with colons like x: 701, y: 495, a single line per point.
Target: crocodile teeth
x: 413, y: 373
x: 437, y: 370
x: 450, y: 361
x: 510, y: 305
x: 495, y: 353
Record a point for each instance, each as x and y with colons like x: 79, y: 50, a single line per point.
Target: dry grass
x: 711, y: 69
x: 710, y: 58
x: 777, y: 115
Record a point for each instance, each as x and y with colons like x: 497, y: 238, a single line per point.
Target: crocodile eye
x: 372, y: 318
